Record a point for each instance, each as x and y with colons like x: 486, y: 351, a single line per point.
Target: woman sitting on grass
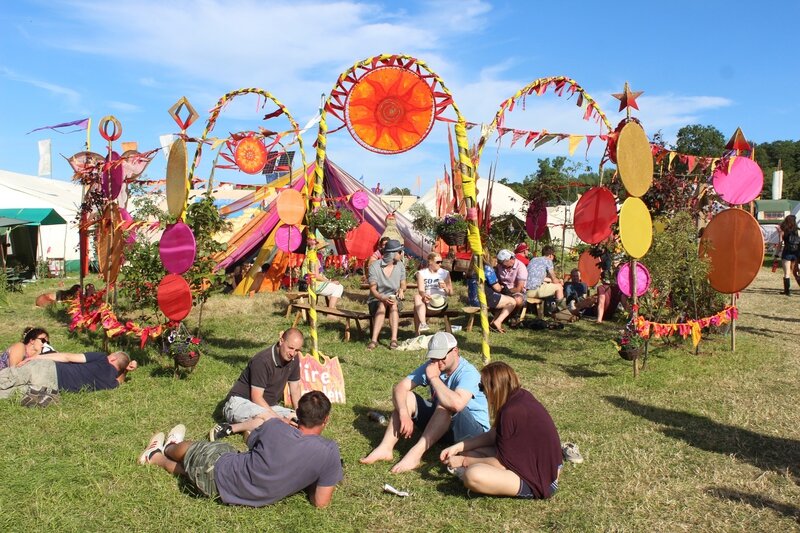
x: 33, y: 341
x: 520, y: 456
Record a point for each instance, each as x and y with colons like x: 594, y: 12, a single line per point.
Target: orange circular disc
x: 589, y: 267
x: 390, y: 110
x: 291, y: 207
x: 634, y: 159
x: 734, y: 244
x: 250, y: 155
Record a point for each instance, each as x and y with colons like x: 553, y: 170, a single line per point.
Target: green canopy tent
x: 23, y: 233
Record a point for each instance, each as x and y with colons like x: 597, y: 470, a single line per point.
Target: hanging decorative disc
x: 133, y: 164
x: 177, y: 184
x: 735, y: 245
x: 635, y: 227
x: 595, y: 212
x: 250, y: 155
x: 590, y: 268
x: 360, y: 242
x: 288, y: 238
x: 536, y: 221
x: 174, y: 297
x: 86, y: 162
x: 177, y: 248
x: 740, y: 182
x: 116, y: 128
x: 291, y: 207
x: 642, y: 279
x: 390, y: 110
x: 112, y: 177
x: 634, y: 159
x: 359, y: 200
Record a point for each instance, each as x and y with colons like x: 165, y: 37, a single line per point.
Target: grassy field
x: 707, y: 442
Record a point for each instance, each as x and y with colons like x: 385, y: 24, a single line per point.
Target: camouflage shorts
x: 199, y: 461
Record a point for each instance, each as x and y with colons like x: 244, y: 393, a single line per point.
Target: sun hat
x: 440, y: 344
x: 504, y: 255
x: 521, y: 247
x: 437, y: 302
x: 393, y: 246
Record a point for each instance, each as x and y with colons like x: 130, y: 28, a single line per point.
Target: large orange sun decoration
x: 251, y: 155
x: 390, y: 110
x: 388, y: 104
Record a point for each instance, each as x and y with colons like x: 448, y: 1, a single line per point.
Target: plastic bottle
x: 775, y: 265
x: 375, y: 416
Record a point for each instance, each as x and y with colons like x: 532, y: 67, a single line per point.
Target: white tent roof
x: 504, y: 199
x: 24, y: 191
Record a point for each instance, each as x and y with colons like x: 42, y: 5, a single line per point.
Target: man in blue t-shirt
x: 281, y: 459
x: 457, y: 409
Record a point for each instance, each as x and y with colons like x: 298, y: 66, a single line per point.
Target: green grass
x: 703, y: 443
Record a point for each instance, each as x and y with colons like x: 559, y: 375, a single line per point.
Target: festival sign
x: 324, y: 375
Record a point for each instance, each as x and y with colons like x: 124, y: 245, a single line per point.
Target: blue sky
x: 721, y: 63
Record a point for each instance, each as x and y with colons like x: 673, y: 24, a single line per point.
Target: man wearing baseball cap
x: 457, y: 409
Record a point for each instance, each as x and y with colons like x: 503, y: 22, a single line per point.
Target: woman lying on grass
x: 520, y: 456
x: 33, y: 341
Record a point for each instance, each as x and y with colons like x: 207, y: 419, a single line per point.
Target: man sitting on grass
x: 260, y: 386
x: 46, y: 374
x: 281, y: 459
x: 457, y: 410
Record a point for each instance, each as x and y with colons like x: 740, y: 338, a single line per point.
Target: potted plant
x: 452, y: 229
x: 182, y: 347
x: 630, y: 344
x: 331, y: 221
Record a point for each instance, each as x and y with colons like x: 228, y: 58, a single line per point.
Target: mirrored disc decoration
x: 595, y: 212
x: 390, y: 110
x: 735, y: 245
x: 634, y: 159
x: 635, y: 227
x: 740, y: 182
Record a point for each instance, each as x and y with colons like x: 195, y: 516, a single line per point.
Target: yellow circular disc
x: 635, y: 227
x: 177, y: 185
x: 634, y: 159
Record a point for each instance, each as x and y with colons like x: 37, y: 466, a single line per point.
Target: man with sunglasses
x: 457, y: 409
x: 260, y: 387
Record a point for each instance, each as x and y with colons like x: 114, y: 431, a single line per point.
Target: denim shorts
x: 462, y: 424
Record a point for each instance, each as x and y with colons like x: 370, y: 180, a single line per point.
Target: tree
x: 788, y: 154
x: 706, y: 141
x: 555, y: 182
x: 405, y: 191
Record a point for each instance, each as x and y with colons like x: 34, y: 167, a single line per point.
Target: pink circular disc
x: 288, y: 238
x: 359, y: 200
x: 595, y: 212
x: 642, y: 279
x: 739, y: 184
x: 112, y: 178
x: 174, y: 297
x: 536, y: 221
x: 177, y: 248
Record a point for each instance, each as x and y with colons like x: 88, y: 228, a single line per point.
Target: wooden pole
x: 733, y: 325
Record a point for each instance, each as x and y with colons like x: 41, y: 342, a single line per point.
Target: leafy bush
x: 332, y: 221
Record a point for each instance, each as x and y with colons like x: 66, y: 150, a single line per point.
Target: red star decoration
x: 627, y: 98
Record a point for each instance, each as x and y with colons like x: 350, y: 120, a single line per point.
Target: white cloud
x: 71, y: 97
x: 123, y: 107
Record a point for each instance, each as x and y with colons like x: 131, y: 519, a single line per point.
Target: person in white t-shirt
x: 433, y: 285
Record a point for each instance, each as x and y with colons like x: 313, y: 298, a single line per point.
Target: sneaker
x: 32, y: 397
x: 220, y: 431
x: 571, y: 453
x: 156, y: 445
x: 572, y: 305
x: 457, y: 471
x: 176, y: 435
x: 424, y: 327
x: 49, y: 396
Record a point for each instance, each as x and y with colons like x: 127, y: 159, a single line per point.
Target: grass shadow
x: 235, y: 343
x: 373, y: 431
x: 777, y: 454
x: 582, y: 371
x: 778, y: 318
x: 756, y: 500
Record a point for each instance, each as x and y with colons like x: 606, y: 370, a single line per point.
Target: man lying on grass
x: 456, y: 411
x: 44, y: 375
x: 281, y: 459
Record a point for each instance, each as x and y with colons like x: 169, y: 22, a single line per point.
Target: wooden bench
x: 301, y: 309
x: 472, y: 311
x: 445, y: 315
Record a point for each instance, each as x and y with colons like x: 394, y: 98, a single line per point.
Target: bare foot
x: 376, y: 455
x: 406, y: 463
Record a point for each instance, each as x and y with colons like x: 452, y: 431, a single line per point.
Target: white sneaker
x: 176, y: 435
x: 571, y: 453
x: 156, y: 445
x: 424, y: 327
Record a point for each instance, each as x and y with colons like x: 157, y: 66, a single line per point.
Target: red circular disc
x: 595, y: 212
x: 735, y: 245
x: 112, y: 177
x: 288, y: 238
x: 590, y: 268
x: 536, y: 220
x: 174, y: 297
x: 360, y: 242
x: 177, y: 248
x: 250, y: 155
x: 390, y: 110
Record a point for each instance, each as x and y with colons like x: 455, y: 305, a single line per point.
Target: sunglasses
x: 439, y: 262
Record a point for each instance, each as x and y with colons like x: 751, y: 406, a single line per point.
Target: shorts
x: 326, y: 288
x: 492, y: 298
x: 545, y: 290
x: 37, y: 373
x: 238, y: 409
x: 462, y: 424
x: 373, y: 306
x: 526, y: 492
x: 199, y: 461
x: 789, y: 256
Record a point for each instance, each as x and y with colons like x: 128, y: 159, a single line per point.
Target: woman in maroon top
x: 520, y: 455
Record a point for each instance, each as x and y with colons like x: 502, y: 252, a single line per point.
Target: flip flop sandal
x: 372, y: 345
x: 393, y: 345
x: 496, y: 329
